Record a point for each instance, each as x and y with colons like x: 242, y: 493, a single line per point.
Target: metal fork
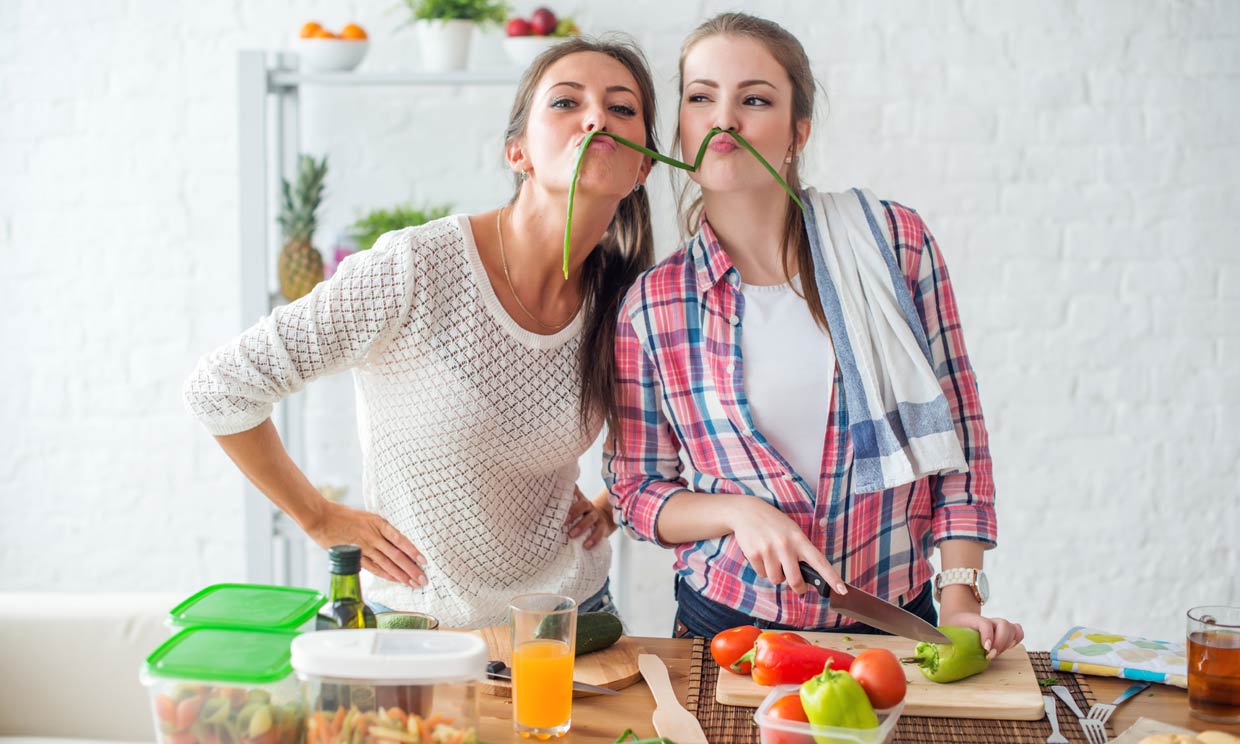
x: 1095, y: 730
x: 1102, y: 711
x: 1055, y: 737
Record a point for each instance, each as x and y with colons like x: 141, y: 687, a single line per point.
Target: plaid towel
x: 900, y: 423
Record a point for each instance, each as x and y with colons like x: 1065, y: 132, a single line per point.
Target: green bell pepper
x: 836, y: 699
x: 964, y: 657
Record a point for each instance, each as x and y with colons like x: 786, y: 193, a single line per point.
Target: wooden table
x: 600, y: 719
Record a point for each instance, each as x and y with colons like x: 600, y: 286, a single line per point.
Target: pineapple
x: 300, y: 263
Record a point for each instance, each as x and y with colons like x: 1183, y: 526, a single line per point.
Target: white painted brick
x: 955, y: 123
x: 1086, y: 125
x: 1207, y: 20
x: 1059, y: 164
x: 1214, y: 57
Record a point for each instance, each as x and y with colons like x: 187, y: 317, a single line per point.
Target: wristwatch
x: 974, y: 578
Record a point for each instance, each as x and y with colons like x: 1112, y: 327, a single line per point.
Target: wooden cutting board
x: 614, y: 667
x: 1008, y: 690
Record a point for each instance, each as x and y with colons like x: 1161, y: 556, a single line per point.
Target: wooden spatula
x: 671, y: 720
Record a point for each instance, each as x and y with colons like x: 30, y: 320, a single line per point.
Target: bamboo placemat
x: 726, y: 724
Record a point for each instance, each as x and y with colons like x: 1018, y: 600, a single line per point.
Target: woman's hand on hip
x: 774, y: 545
x: 386, y: 552
x: 588, y: 518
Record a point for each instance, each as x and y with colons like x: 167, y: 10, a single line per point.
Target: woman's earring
x: 637, y: 187
x: 788, y: 158
x: 522, y: 175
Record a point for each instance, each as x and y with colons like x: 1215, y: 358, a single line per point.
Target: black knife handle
x: 814, y: 579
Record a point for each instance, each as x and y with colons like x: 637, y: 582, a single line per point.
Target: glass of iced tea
x: 544, y: 637
x: 1214, y: 663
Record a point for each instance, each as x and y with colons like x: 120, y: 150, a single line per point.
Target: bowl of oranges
x: 322, y: 50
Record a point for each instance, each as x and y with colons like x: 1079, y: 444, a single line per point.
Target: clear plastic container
x: 397, y: 686
x: 225, y: 686
x: 249, y: 606
x: 783, y: 731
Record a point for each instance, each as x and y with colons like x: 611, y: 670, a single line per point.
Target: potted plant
x: 444, y: 29
x: 367, y: 229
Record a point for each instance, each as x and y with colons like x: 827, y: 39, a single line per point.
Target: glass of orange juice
x: 544, y: 635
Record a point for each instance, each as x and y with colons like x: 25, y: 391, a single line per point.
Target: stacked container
x: 225, y: 677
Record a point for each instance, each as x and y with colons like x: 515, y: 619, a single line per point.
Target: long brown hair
x: 789, y: 53
x: 627, y: 246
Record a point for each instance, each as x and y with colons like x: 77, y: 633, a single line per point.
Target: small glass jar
x: 400, y: 686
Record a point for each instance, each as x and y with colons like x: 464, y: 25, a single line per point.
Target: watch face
x: 983, y: 586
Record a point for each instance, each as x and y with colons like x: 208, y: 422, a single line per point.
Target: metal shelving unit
x: 269, y: 127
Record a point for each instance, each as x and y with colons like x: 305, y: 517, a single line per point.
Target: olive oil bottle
x: 345, y: 608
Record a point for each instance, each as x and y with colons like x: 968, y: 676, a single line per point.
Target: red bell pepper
x: 789, y: 659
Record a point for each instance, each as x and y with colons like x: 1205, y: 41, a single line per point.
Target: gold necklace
x: 499, y: 228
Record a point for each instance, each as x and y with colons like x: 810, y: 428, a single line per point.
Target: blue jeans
x: 698, y: 616
x: 600, y: 601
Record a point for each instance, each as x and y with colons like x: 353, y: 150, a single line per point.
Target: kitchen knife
x: 873, y: 611
x: 500, y: 670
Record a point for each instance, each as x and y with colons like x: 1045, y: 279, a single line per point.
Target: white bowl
x: 523, y: 50
x: 330, y: 55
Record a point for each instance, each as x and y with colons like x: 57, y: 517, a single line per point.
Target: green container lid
x: 248, y: 606
x: 234, y: 655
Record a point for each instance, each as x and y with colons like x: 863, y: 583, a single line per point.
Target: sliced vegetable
x: 963, y: 657
x: 836, y: 699
x: 789, y: 659
x: 728, y: 646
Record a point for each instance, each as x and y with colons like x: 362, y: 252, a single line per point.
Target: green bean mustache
x: 697, y: 163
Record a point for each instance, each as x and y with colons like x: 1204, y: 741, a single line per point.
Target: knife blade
x: 873, y: 611
x: 500, y: 670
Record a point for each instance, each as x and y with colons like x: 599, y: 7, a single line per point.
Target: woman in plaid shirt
x: 723, y: 351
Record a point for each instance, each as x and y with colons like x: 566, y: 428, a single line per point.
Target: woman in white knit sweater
x: 481, y: 374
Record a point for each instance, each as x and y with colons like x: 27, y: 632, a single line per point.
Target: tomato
x: 787, y: 708
x: 729, y: 645
x: 881, y: 676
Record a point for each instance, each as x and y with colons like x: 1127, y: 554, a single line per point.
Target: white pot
x: 444, y: 44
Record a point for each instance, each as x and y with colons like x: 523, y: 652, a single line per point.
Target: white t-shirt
x: 468, y: 423
x: 788, y: 365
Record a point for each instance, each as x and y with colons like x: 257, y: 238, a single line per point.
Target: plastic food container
x: 782, y: 731
x: 249, y: 606
x: 397, y: 686
x: 225, y: 686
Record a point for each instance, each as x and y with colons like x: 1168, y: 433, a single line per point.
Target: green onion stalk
x: 697, y: 163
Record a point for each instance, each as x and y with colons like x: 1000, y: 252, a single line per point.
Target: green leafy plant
x: 479, y: 11
x: 368, y: 228
x: 697, y: 163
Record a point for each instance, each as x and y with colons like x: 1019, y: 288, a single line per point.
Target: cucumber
x: 595, y: 630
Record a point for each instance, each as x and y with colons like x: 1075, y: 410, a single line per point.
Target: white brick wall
x: 1077, y: 161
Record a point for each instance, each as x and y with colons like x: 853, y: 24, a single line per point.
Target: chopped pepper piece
x: 964, y: 657
x: 789, y: 659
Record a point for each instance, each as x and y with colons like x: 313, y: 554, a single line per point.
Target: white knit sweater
x: 468, y: 423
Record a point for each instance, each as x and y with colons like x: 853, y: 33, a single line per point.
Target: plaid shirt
x: 680, y: 387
